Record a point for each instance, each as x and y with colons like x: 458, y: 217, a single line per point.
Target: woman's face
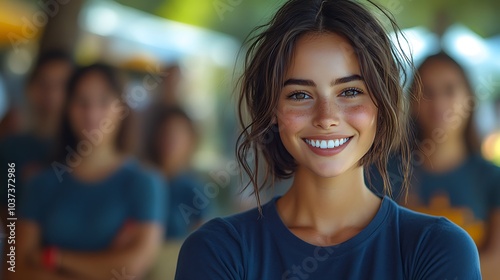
x: 176, y: 141
x: 93, y: 110
x: 46, y: 92
x: 326, y: 118
x: 446, y: 104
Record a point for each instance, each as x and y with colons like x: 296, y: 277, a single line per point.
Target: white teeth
x: 327, y: 144
x: 331, y: 144
x: 323, y: 144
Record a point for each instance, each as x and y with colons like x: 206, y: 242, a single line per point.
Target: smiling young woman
x: 323, y: 90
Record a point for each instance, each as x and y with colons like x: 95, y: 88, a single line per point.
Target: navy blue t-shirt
x: 83, y: 216
x: 29, y: 153
x: 184, y: 215
x: 466, y: 195
x: 397, y: 244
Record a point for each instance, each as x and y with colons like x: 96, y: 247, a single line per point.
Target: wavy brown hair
x: 382, y: 65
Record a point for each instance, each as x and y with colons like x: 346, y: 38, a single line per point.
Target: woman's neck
x: 446, y: 156
x: 103, y: 159
x: 45, y: 128
x: 326, y: 211
x: 172, y: 169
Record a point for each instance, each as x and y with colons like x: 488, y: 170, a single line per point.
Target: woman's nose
x: 326, y: 114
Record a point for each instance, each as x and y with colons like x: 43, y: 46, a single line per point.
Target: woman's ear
x: 274, y: 118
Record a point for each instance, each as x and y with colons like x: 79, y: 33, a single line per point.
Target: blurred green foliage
x: 238, y: 17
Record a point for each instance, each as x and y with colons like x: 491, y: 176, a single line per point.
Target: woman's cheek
x: 361, y: 116
x: 292, y: 119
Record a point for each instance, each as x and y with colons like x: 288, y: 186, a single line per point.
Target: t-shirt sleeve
x: 211, y: 252
x: 149, y: 197
x: 196, y: 187
x: 446, y: 252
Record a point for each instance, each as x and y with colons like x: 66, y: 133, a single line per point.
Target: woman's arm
x: 490, y: 253
x: 133, y: 259
x: 27, y: 247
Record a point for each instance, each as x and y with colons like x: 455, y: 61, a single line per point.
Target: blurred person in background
x: 96, y: 214
x: 31, y: 149
x: 171, y: 142
x: 451, y: 178
x: 170, y: 89
x: 170, y: 147
x: 8, y: 125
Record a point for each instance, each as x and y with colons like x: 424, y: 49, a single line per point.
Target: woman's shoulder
x: 46, y: 177
x: 230, y: 230
x: 136, y: 171
x: 412, y: 223
x: 436, y: 246
x: 482, y: 165
x: 241, y: 224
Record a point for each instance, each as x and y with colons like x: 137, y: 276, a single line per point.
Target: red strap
x: 49, y: 258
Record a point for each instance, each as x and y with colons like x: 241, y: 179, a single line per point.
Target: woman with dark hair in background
x: 451, y: 178
x: 96, y: 214
x: 170, y: 146
x: 322, y: 86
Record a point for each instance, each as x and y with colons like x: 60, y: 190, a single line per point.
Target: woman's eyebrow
x: 347, y: 79
x: 310, y: 83
x: 299, y: 82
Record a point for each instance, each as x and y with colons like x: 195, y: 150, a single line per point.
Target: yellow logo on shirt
x: 439, y: 205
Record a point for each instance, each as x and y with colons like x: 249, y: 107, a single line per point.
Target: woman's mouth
x: 327, y: 144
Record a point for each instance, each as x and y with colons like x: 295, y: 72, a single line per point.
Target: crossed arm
x: 132, y: 252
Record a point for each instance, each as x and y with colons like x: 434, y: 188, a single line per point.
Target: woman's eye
x: 299, y: 96
x: 352, y: 92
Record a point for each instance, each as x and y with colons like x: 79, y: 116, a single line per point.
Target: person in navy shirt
x: 95, y: 213
x: 170, y: 145
x: 323, y: 92
x: 30, y: 149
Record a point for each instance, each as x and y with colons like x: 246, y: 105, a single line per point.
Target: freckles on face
x: 291, y: 118
x: 325, y: 100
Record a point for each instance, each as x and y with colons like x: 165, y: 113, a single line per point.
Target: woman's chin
x: 328, y: 171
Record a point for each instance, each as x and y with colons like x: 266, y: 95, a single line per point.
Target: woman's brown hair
x: 382, y: 66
